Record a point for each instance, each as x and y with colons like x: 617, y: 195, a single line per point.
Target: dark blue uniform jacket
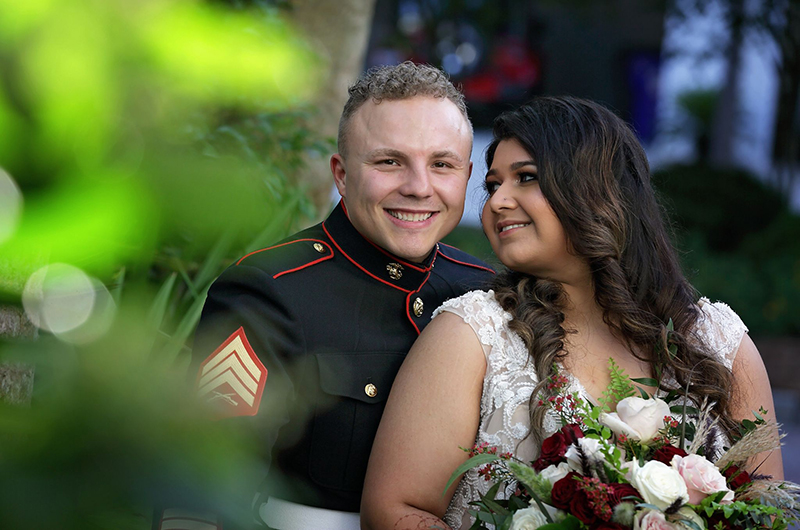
x: 330, y: 316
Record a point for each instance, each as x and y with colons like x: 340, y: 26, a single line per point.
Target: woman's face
x: 522, y: 228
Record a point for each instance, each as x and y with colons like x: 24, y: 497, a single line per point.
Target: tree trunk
x: 786, y: 146
x: 338, y: 31
x: 726, y: 114
x: 16, y: 379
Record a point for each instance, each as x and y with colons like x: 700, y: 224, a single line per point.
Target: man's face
x: 406, y: 171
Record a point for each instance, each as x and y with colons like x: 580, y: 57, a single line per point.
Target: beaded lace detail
x: 510, y: 379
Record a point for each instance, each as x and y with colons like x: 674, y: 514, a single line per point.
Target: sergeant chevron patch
x: 232, y: 379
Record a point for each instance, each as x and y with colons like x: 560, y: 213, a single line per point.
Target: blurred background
x: 144, y: 146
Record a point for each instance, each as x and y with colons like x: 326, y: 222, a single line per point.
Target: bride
x: 592, y: 276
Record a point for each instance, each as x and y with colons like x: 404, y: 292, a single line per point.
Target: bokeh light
x: 99, y: 321
x: 10, y: 206
x: 59, y: 298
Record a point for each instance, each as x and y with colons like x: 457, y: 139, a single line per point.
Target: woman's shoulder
x: 720, y: 329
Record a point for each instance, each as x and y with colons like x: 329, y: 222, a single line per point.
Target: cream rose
x: 528, y: 519
x: 702, y: 478
x: 651, y: 520
x: 659, y: 484
x: 555, y: 473
x: 637, y: 418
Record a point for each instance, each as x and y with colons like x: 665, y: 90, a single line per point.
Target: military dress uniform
x: 305, y: 338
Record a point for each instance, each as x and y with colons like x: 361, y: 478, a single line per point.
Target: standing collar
x: 371, y: 259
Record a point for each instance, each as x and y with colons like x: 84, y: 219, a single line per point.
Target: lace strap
x: 720, y: 329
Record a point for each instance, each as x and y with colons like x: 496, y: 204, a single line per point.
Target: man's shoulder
x: 454, y: 258
x: 300, y: 251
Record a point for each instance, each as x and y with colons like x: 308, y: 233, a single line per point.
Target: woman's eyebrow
x: 515, y: 166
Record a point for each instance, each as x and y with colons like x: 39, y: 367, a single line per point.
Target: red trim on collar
x: 464, y: 262
x: 403, y: 262
x: 283, y: 245
x: 354, y: 262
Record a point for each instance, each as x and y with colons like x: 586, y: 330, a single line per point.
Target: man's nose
x: 417, y: 182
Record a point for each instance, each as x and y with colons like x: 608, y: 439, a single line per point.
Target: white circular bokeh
x: 10, y: 206
x: 65, y: 301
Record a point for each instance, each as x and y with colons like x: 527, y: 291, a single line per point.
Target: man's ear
x: 339, y: 173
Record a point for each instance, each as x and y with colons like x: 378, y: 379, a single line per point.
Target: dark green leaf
x: 681, y: 409
x: 647, y: 381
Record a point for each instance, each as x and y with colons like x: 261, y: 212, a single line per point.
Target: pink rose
x: 702, y: 478
x: 651, y: 520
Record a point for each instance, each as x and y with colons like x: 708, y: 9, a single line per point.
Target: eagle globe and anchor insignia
x: 395, y: 270
x: 232, y: 378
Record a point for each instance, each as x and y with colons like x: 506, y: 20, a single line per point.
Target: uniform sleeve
x: 242, y: 367
x: 244, y: 343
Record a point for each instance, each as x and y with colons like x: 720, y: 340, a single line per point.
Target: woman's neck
x: 581, y: 310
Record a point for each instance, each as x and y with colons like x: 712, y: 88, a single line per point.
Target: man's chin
x: 415, y: 252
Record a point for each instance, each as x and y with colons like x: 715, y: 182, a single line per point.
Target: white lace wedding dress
x: 510, y: 379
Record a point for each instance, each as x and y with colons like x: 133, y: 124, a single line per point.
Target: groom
x: 303, y: 339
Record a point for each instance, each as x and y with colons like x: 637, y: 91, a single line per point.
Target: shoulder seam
x: 283, y: 245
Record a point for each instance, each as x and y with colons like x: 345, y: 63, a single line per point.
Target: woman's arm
x: 751, y: 391
x: 432, y: 411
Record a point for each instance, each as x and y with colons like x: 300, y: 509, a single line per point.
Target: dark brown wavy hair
x: 595, y: 175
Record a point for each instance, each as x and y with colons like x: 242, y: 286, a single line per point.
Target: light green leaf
x: 475, y: 461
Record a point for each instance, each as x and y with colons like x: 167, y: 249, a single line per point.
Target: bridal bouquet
x: 637, y: 467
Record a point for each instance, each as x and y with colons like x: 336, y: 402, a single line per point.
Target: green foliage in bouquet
x: 618, y: 389
x: 636, y: 467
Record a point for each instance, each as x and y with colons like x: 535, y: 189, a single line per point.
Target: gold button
x: 371, y: 390
x: 319, y: 248
x: 395, y: 271
x: 418, y: 306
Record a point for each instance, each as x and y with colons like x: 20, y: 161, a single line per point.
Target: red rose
x: 736, y: 477
x: 564, y: 490
x: 619, y: 491
x: 665, y: 454
x: 717, y: 518
x: 580, y: 508
x: 553, y: 449
x: 571, y: 433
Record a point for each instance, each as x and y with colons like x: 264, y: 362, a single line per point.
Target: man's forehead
x: 445, y: 106
x: 414, y: 115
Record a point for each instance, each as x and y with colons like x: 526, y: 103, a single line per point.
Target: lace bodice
x: 510, y: 380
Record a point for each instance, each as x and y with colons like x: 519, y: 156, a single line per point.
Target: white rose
x: 528, y: 519
x: 702, y: 478
x: 687, y: 513
x: 637, y: 418
x: 591, y: 449
x: 555, y: 473
x: 659, y: 484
